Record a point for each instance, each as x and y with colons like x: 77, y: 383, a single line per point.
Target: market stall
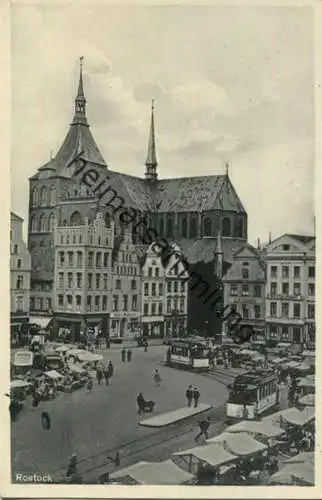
x: 295, y: 474
x: 307, y: 400
x: 152, y: 473
x: 19, y: 388
x: 209, y: 454
x: 240, y: 444
x: 265, y: 429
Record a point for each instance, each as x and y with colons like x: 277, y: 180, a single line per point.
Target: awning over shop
x: 292, y: 416
x: 240, y: 444
x: 305, y: 456
x: 307, y: 400
x: 53, y: 374
x: 88, y: 357
x: 308, y: 381
x: 161, y: 473
x: 212, y: 454
x: 42, y: 321
x: 19, y: 384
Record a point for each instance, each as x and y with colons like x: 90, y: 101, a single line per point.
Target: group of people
x: 192, y: 396
x: 126, y: 354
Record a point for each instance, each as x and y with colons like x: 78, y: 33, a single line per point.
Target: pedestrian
x: 106, y: 375
x: 157, y: 377
x: 141, y: 403
x: 129, y: 355
x: 146, y: 346
x: 89, y: 385
x: 110, y: 369
x: 196, y: 396
x: 189, y: 395
x: 99, y: 375
x: 72, y: 466
x: 204, y: 427
x: 123, y: 352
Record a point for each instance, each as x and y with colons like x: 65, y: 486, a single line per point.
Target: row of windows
x: 78, y: 239
x: 175, y: 305
x: 286, y: 271
x: 19, y: 304
x: 93, y: 303
x: 266, y: 390
x: 248, y: 311
x: 153, y: 309
x: 40, y: 304
x: 118, y: 284
x: 154, y: 272
x: 43, y: 196
x: 117, y: 305
x: 285, y: 289
x: 150, y: 289
x: 44, y: 224
x: 296, y: 310
x: 174, y: 286
x: 166, y: 226
x: 94, y: 259
x: 246, y: 290
x: 126, y: 270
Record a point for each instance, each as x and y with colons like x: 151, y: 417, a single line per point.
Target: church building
x: 190, y: 211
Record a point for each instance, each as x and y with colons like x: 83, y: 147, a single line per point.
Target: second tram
x: 188, y: 354
x: 252, y: 394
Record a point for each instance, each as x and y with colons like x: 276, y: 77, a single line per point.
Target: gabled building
x: 188, y: 210
x: 290, y: 289
x: 20, y: 270
x: 244, y: 291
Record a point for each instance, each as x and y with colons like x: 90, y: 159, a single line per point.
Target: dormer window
x: 286, y: 248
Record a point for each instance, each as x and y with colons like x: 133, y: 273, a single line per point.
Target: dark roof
x: 188, y: 194
x: 79, y: 138
x: 15, y: 216
x: 303, y: 238
x: 203, y: 249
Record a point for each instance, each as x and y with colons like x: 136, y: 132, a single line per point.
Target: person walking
x: 106, y: 375
x: 89, y: 385
x: 196, y: 396
x: 140, y: 401
x: 204, y: 427
x: 99, y: 374
x: 189, y: 395
x: 157, y: 377
x: 110, y: 369
x: 129, y: 355
x: 146, y: 346
x: 72, y: 466
x: 123, y: 352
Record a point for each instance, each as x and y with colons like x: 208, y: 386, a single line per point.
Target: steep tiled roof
x: 203, y: 249
x: 301, y: 237
x: 79, y: 138
x: 197, y: 194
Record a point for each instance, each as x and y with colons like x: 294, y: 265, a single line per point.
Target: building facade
x: 244, y: 291
x: 290, y: 289
x: 125, y: 312
x: 83, y: 276
x: 190, y: 210
x: 153, y: 293
x: 20, y: 271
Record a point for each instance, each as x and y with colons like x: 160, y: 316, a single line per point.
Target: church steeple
x: 151, y: 159
x: 80, y: 101
x: 218, y: 257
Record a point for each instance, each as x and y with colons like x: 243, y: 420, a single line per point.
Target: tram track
x: 91, y: 467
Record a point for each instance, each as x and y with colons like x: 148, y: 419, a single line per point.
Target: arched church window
x: 76, y: 219
x: 193, y: 226
x: 184, y: 227
x: 161, y: 226
x: 34, y: 197
x: 169, y: 225
x: 42, y: 223
x: 51, y: 222
x: 226, y: 227
x: 43, y: 196
x: 239, y: 228
x: 33, y: 224
x: 207, y: 227
x: 52, y: 195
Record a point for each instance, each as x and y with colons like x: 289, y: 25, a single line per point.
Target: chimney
x: 258, y: 244
x: 270, y: 237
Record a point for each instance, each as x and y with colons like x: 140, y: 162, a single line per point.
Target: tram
x: 188, y: 354
x: 252, y: 394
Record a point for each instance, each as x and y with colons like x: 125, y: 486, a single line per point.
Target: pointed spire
x: 151, y: 160
x: 227, y: 169
x: 80, y: 101
x: 218, y: 257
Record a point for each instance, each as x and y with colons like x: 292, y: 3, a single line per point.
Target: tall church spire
x: 80, y: 101
x: 218, y: 257
x: 151, y: 159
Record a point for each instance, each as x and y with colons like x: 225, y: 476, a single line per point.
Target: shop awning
x: 42, y: 321
x: 292, y: 416
x: 53, y: 374
x: 307, y: 400
x: 308, y: 381
x: 160, y: 473
x: 305, y: 456
x: 212, y: 454
x: 19, y: 384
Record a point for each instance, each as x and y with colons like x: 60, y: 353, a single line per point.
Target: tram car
x: 251, y: 395
x: 187, y: 354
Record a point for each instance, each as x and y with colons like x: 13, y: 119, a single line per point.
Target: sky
x: 230, y: 84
